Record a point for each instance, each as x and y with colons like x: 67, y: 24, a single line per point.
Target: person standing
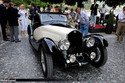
x: 93, y: 9
x: 121, y: 26
x: 38, y: 9
x: 57, y: 9
x: 43, y: 10
x: 72, y: 14
x: 48, y: 9
x: 66, y: 10
x: 102, y: 12
x: 3, y: 18
x: 13, y: 22
x: 32, y: 11
x: 84, y: 21
x: 23, y: 19
x: 113, y: 9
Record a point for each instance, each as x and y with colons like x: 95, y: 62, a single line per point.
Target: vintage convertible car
x: 57, y: 42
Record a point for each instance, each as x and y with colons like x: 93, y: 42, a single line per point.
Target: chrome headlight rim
x: 72, y: 58
x: 64, y: 44
x: 90, y: 42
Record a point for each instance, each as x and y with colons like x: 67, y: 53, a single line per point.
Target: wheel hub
x: 92, y: 55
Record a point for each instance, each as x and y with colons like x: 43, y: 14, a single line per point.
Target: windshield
x: 53, y: 19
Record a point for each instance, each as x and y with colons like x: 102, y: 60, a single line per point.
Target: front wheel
x: 47, y: 64
x: 98, y: 56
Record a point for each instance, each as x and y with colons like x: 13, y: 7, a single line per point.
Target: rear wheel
x: 98, y: 56
x: 28, y: 30
x: 47, y: 64
x: 109, y: 29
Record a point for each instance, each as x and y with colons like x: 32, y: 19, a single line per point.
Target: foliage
x: 110, y: 19
x: 17, y: 2
x: 69, y: 2
x: 28, y: 2
x: 52, y: 1
x: 112, y: 3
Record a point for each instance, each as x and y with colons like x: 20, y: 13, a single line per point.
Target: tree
x: 73, y: 2
x: 42, y: 2
x: 28, y: 2
x: 53, y: 1
x: 68, y: 2
x: 112, y: 3
x: 80, y: 3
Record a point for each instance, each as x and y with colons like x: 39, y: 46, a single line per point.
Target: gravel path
x: 17, y: 60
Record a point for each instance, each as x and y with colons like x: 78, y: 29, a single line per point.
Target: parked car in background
x: 56, y: 42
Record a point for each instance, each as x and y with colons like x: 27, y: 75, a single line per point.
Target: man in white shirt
x: 121, y: 26
x: 84, y: 21
x: 102, y: 12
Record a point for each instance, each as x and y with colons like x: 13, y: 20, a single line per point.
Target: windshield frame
x: 61, y: 19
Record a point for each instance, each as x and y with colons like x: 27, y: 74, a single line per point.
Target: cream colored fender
x: 56, y: 33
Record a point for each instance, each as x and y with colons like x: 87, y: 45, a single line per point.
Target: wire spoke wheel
x: 98, y: 56
x: 47, y: 64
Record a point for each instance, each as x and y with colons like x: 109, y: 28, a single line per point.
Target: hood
x: 55, y: 33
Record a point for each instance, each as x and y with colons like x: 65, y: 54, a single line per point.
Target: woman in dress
x: 23, y: 19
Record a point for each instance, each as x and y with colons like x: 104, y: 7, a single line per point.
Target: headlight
x: 64, y: 44
x: 72, y: 58
x: 90, y: 42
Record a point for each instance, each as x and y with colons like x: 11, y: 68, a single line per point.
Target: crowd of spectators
x: 77, y: 18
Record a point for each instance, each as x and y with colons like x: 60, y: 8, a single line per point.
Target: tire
x: 28, y: 30
x: 47, y: 64
x: 29, y: 33
x: 109, y: 29
x: 101, y: 57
